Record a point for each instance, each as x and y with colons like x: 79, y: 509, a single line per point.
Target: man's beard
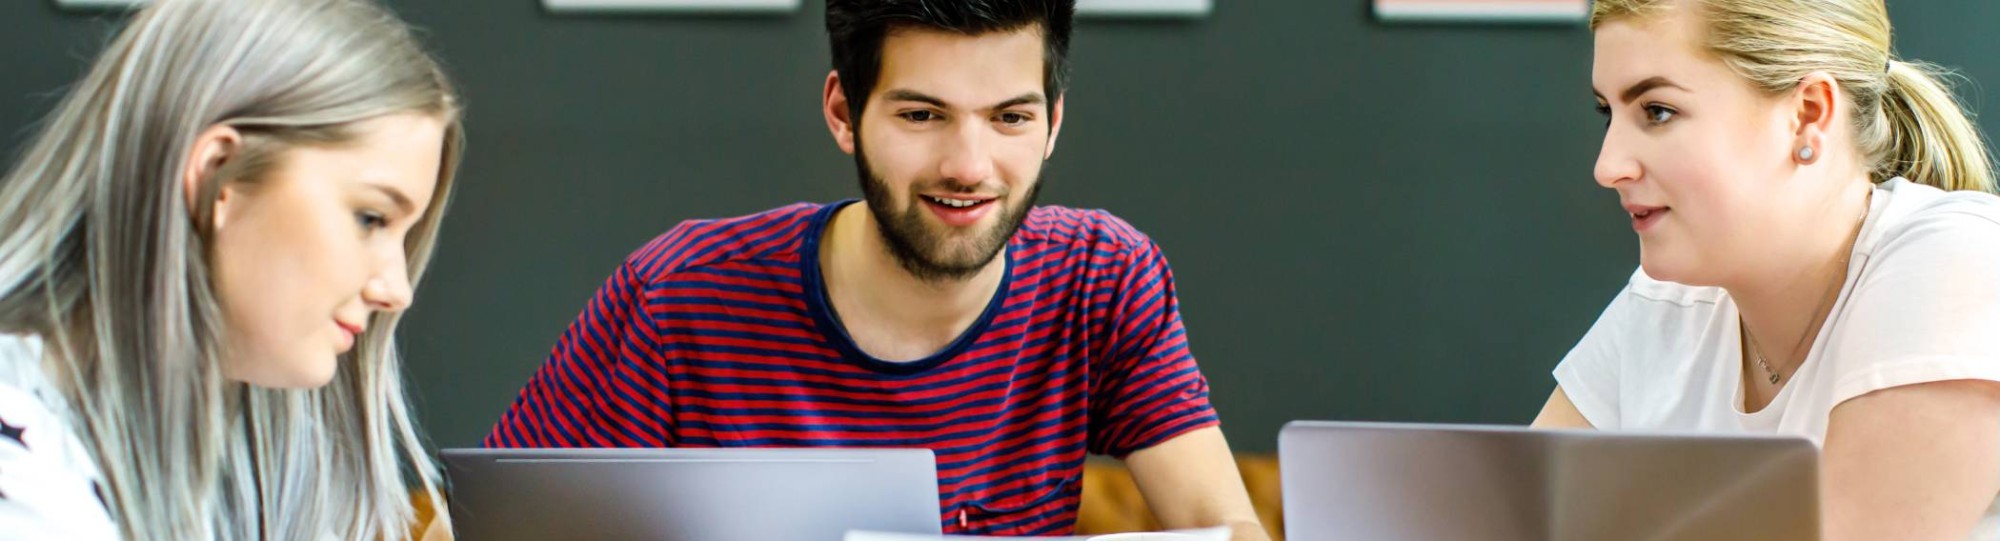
x: 927, y: 253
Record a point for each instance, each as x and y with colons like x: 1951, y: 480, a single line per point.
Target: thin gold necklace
x: 1759, y: 352
x: 1757, y: 349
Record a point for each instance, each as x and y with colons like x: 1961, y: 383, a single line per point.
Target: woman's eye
x: 371, y: 221
x: 1659, y: 114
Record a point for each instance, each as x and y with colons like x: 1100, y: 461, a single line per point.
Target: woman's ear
x: 1814, y: 107
x: 213, y: 148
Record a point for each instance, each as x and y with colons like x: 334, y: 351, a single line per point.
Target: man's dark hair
x: 857, y: 28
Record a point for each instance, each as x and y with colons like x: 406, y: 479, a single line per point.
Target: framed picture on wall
x: 1089, y: 8
x: 1086, y: 8
x: 1483, y: 11
x: 1144, y: 8
x: 690, y: 6
x: 98, y: 4
x: 696, y: 6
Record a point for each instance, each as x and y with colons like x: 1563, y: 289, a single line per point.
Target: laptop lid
x: 1345, y: 480
x: 690, y: 494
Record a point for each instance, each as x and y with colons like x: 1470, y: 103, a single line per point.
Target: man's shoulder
x: 1096, y: 229
x: 777, y: 233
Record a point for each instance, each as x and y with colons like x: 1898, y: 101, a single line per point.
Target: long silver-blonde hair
x: 102, y: 257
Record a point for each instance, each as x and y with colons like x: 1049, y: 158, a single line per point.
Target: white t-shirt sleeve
x: 44, y: 492
x: 1927, y: 309
x: 1589, y: 374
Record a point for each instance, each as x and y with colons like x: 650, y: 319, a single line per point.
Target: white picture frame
x: 99, y: 4
x: 1187, y: 9
x: 673, y: 6
x: 1482, y: 11
x: 1085, y: 8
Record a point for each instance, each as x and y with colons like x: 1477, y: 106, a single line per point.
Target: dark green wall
x: 1366, y: 221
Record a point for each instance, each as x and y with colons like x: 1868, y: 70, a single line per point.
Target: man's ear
x: 1055, y: 127
x: 838, y: 115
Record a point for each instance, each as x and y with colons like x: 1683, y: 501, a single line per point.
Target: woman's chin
x: 1666, y: 266
x: 302, y: 372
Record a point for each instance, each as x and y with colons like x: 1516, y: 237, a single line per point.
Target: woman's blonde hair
x: 1906, y: 121
x: 101, y: 257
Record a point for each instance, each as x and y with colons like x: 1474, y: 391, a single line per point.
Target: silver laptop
x: 690, y: 494
x: 1401, y: 481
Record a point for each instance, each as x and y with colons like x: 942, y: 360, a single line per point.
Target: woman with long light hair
x: 1819, y: 253
x: 203, y: 254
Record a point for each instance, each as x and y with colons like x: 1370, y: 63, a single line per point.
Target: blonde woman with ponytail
x: 203, y: 253
x: 1819, y: 250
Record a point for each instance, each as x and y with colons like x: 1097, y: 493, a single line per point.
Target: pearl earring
x: 1805, y: 154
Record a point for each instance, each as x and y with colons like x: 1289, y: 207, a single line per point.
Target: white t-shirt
x: 49, y: 486
x: 1921, y: 304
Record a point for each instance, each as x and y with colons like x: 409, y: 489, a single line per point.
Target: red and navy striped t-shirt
x: 719, y: 334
